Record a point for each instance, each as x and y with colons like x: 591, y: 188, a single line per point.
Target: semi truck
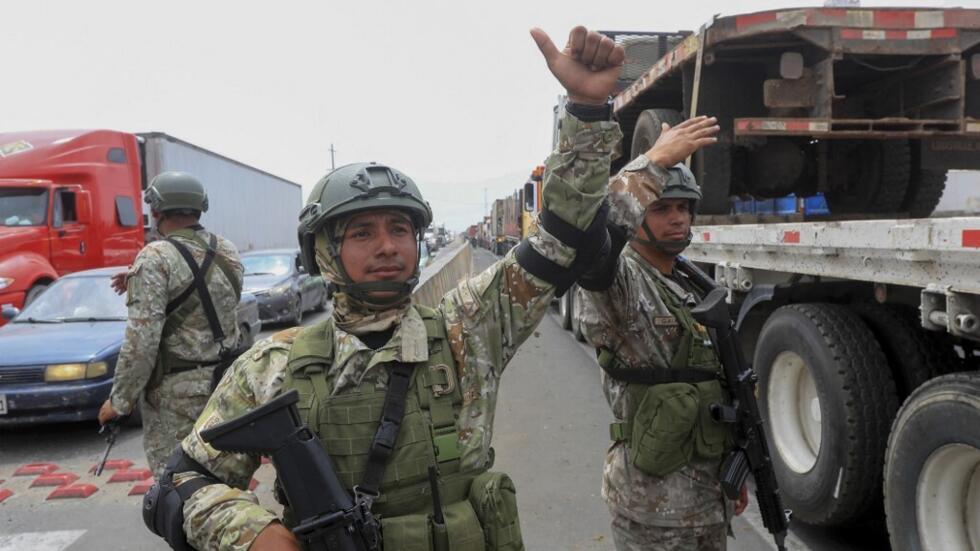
x: 857, y: 304
x: 71, y: 200
x: 514, y: 217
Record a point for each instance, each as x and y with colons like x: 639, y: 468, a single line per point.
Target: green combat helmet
x: 174, y: 190
x: 680, y: 185
x: 356, y: 188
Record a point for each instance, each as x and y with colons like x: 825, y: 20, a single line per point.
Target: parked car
x: 284, y: 289
x: 59, y: 353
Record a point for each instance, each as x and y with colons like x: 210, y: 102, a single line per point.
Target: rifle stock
x: 751, y: 453
x: 328, y: 516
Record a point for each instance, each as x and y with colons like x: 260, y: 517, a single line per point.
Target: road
x: 550, y: 436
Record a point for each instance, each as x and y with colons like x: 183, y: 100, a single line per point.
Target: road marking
x: 40, y: 541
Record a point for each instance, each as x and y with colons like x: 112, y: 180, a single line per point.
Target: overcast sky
x: 453, y: 93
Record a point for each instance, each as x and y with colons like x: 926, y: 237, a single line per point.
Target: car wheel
x: 245, y: 338
x: 324, y: 301
x: 297, y: 316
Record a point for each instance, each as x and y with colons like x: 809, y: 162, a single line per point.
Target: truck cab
x: 69, y: 201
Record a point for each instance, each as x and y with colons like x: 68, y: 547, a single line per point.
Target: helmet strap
x: 669, y: 247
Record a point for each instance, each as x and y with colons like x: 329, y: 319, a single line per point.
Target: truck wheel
x: 871, y: 178
x: 297, y: 313
x: 565, y: 310
x: 925, y: 190
x: 576, y: 319
x: 914, y: 357
x: 648, y: 126
x: 932, y: 468
x: 827, y: 397
x: 34, y: 292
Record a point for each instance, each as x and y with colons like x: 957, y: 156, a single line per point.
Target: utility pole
x: 332, y: 151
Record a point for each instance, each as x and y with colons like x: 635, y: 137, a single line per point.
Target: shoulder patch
x: 282, y: 340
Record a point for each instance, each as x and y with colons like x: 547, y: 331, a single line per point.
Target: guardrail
x: 452, y: 263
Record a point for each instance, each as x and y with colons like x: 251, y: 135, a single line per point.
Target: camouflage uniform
x: 158, y: 275
x: 686, y: 508
x: 486, y: 317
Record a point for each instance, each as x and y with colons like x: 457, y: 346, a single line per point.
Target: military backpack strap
x: 441, y: 391
x: 650, y: 376
x: 200, y: 283
x: 399, y: 380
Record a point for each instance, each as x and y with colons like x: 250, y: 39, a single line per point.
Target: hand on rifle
x: 275, y: 537
x: 743, y: 500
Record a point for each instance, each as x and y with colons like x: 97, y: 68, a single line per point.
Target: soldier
x: 660, y: 371
x: 182, y: 294
x: 361, y: 228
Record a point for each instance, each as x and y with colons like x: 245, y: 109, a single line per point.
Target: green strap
x: 620, y: 432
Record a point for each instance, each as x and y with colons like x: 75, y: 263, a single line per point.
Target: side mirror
x: 9, y: 312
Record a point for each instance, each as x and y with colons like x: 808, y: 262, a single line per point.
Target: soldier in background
x: 178, y: 331
x: 660, y: 372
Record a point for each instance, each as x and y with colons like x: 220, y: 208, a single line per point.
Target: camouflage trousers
x: 169, y: 412
x: 629, y: 535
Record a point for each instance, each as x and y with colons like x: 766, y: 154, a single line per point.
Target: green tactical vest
x: 480, y: 506
x: 166, y: 361
x: 668, y: 424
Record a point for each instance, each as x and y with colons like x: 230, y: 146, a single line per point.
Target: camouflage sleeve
x: 228, y: 516
x: 631, y: 191
x: 146, y: 298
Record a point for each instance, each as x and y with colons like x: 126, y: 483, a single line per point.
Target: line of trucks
x: 857, y: 302
x: 73, y: 200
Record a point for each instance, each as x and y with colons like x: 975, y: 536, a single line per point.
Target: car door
x: 71, y: 249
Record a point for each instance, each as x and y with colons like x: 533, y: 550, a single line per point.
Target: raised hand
x: 678, y: 142
x: 588, y: 67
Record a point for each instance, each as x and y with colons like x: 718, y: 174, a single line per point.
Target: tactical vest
x: 670, y: 422
x: 183, y: 305
x: 480, y: 506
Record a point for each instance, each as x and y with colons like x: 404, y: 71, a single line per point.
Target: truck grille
x: 21, y: 375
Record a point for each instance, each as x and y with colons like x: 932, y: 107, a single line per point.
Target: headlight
x: 6, y: 282
x: 74, y: 372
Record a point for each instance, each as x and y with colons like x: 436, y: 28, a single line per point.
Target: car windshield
x: 76, y: 299
x: 272, y: 264
x: 23, y: 207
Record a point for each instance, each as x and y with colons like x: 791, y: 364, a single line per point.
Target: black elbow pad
x: 602, y: 272
x: 590, y: 244
x: 163, y: 504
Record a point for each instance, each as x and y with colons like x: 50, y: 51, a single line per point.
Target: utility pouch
x: 418, y: 532
x: 663, y: 426
x: 494, y: 499
x: 712, y: 437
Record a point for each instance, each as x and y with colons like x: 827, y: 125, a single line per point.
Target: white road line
x: 56, y: 540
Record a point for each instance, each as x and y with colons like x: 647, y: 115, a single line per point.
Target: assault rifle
x: 328, y: 517
x: 751, y: 453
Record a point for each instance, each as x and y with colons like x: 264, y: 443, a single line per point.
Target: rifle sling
x: 651, y: 376
x: 200, y: 285
x: 399, y: 380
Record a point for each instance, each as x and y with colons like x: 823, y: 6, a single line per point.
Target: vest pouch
x: 494, y: 499
x: 417, y: 532
x: 712, y: 437
x: 662, y: 438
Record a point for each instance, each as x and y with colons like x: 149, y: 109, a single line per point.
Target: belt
x: 189, y: 367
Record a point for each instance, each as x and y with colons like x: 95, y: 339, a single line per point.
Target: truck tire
x: 827, y: 398
x: 932, y: 467
x: 877, y: 179
x: 925, y: 190
x: 34, y: 292
x: 913, y: 355
x: 648, y: 126
x: 565, y: 310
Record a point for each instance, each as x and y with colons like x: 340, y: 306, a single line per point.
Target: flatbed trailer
x: 865, y: 337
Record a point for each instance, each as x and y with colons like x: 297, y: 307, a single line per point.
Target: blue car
x: 58, y: 356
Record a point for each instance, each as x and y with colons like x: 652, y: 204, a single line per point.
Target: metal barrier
x: 453, y: 263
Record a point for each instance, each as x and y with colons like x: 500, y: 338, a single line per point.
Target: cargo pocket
x: 494, y: 499
x: 407, y: 533
x: 662, y: 439
x: 712, y: 436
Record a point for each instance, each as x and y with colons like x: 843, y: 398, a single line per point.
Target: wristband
x: 590, y: 113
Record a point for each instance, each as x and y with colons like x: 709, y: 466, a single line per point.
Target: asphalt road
x: 550, y: 436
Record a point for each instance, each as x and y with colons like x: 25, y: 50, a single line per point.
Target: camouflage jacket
x: 487, y: 317
x: 632, y: 319
x: 158, y: 275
